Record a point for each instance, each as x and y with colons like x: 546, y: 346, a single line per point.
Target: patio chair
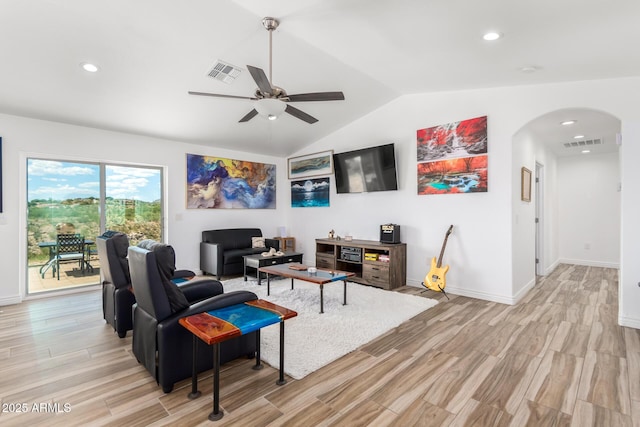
x: 69, y: 247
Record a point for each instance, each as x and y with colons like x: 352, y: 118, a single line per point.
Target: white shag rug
x: 313, y: 340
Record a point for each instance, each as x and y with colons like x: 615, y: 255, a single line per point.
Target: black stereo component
x: 351, y: 254
x: 390, y: 233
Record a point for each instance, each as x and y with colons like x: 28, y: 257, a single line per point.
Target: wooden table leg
x: 268, y: 283
x: 217, y: 413
x: 321, y: 299
x: 281, y: 380
x: 194, y: 373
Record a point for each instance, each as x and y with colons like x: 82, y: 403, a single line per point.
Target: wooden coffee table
x: 257, y: 260
x: 320, y: 277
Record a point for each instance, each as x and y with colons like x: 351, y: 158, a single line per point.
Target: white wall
x: 480, y: 248
x: 630, y: 228
x: 23, y: 137
x: 551, y: 223
x: 528, y: 151
x: 488, y: 258
x: 589, y: 209
x: 478, y: 239
x: 523, y: 215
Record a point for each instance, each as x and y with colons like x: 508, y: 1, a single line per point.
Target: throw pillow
x: 257, y: 242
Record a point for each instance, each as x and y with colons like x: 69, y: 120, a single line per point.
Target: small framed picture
x: 525, y: 193
x: 316, y: 164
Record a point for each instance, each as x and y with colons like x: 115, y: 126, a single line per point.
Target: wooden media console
x: 383, y: 265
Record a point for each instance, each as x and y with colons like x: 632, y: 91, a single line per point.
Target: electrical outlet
x: 587, y: 246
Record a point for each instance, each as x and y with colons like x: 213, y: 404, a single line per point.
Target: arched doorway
x: 574, y: 213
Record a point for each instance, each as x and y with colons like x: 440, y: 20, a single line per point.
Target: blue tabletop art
x: 245, y: 317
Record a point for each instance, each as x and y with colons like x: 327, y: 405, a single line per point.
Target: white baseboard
x: 551, y: 268
x: 630, y: 322
x: 502, y: 299
x: 522, y: 292
x: 17, y: 299
x: 511, y: 300
x: 453, y: 290
x: 414, y: 283
x: 589, y: 263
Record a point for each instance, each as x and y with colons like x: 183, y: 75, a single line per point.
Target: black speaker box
x: 389, y: 233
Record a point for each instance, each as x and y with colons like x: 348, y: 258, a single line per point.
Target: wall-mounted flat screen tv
x: 366, y: 170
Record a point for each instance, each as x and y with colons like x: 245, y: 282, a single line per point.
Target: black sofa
x: 221, y: 251
x: 159, y: 342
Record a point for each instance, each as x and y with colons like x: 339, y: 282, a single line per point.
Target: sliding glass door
x: 85, y: 199
x: 133, y: 202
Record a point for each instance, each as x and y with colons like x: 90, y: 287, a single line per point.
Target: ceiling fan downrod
x: 268, y: 94
x: 270, y: 24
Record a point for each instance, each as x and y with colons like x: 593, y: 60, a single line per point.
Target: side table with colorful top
x: 216, y: 326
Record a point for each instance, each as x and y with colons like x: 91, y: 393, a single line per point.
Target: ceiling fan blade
x: 317, y: 96
x: 219, y: 95
x: 250, y: 115
x: 300, y: 114
x: 261, y: 79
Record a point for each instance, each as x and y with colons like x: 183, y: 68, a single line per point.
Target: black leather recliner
x: 117, y: 298
x: 159, y: 341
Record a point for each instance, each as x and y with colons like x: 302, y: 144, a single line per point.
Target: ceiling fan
x: 271, y: 101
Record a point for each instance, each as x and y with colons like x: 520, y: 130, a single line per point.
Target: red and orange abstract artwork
x: 452, y: 158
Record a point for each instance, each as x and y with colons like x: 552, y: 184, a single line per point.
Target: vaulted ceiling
x: 150, y: 53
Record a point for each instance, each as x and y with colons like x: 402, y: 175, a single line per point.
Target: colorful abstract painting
x: 457, y: 139
x: 310, y: 193
x: 219, y: 183
x: 452, y: 158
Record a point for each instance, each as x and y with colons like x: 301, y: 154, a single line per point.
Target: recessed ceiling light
x: 491, y: 36
x: 578, y: 136
x: 529, y: 69
x: 568, y: 122
x: 89, y: 67
x: 586, y: 151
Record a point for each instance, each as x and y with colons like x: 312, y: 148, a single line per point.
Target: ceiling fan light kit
x: 270, y: 108
x: 271, y: 101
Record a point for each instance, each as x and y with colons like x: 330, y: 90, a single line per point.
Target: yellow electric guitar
x: 435, y: 279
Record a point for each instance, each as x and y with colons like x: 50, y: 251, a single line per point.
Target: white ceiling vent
x: 583, y: 143
x: 224, y: 72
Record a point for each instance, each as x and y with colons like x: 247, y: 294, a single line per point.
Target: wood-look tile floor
x: 558, y: 358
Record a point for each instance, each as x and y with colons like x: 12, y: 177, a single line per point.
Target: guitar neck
x: 444, y: 245
x: 441, y: 254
